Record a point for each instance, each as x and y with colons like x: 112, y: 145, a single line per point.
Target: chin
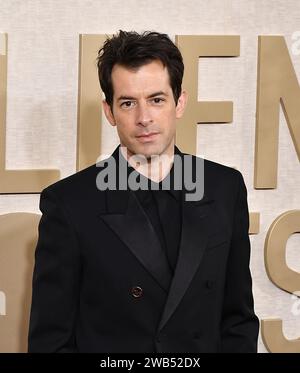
x: 150, y: 150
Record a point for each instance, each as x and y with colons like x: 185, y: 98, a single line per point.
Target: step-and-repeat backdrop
x: 242, y: 67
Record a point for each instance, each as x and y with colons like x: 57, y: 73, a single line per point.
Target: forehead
x: 146, y: 78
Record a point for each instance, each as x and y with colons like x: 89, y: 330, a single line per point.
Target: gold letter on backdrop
x: 18, y: 237
x: 89, y: 102
x: 16, y: 181
x: 280, y: 230
x: 192, y: 47
x: 274, y: 339
x: 282, y: 276
x: 276, y: 83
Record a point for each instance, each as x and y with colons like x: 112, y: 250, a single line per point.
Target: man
x: 139, y: 270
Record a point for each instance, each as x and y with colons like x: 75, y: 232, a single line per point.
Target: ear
x: 181, y: 104
x: 108, y: 113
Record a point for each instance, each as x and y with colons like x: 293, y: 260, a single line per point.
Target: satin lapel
x: 196, y: 220
x: 127, y: 219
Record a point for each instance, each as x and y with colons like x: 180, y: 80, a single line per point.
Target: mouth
x: 147, y: 137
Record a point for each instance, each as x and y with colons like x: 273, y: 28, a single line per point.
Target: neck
x: 155, y: 167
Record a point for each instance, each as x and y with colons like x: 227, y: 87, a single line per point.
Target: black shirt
x: 163, y: 208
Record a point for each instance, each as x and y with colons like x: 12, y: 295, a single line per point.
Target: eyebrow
x: 159, y: 93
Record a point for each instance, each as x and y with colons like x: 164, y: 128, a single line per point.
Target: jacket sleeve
x: 239, y: 327
x: 56, y: 279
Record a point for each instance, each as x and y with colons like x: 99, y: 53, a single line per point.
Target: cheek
x: 169, y: 122
x: 124, y: 123
x: 126, y: 133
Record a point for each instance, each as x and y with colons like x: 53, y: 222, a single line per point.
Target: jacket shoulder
x: 220, y: 169
x: 216, y: 169
x: 74, y: 180
x: 79, y: 187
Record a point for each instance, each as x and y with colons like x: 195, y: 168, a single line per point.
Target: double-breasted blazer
x: 102, y: 283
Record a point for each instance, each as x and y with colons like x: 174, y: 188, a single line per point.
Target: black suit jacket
x: 102, y: 283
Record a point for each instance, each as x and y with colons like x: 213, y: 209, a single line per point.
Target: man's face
x: 144, y: 109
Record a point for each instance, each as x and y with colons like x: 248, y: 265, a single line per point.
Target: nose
x: 144, y: 115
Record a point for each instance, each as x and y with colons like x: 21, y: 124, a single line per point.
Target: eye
x: 158, y: 100
x: 127, y: 104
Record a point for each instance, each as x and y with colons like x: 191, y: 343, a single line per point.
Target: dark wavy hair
x: 133, y: 50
